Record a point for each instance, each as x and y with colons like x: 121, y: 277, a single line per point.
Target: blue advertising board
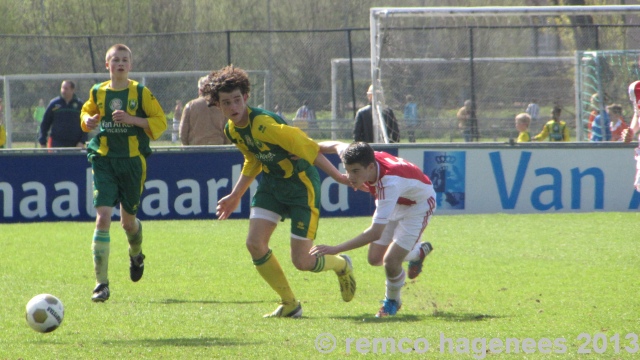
x: 187, y: 183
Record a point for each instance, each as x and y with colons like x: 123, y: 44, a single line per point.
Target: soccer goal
x: 500, y: 58
x: 602, y: 79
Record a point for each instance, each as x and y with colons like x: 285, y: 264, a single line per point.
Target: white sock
x: 394, y: 286
x: 414, y: 254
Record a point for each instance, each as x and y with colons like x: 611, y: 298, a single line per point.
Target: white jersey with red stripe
x: 634, y: 96
x: 400, y: 183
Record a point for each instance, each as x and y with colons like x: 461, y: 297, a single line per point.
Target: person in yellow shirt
x: 555, y: 129
x: 289, y: 187
x: 128, y: 116
x: 522, y: 125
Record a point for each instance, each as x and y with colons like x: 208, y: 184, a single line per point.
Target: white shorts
x: 260, y: 213
x: 405, y: 229
x: 636, y: 183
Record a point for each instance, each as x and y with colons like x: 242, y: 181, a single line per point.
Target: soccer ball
x: 44, y: 313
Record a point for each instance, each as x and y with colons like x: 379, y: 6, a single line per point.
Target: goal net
x: 603, y: 78
x: 500, y: 58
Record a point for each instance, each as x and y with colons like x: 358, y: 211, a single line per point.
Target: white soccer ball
x: 44, y: 313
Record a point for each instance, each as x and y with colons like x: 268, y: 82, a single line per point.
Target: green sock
x: 135, y: 241
x: 100, y: 249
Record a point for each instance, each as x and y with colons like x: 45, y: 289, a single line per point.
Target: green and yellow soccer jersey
x: 554, y: 131
x: 123, y: 140
x: 268, y: 144
x: 524, y: 136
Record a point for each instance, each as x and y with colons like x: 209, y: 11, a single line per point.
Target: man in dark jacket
x: 61, y: 122
x: 363, y: 130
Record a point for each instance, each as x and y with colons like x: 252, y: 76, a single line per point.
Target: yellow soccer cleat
x: 347, y: 280
x: 293, y: 310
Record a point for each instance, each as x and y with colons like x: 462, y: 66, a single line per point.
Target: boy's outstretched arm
x: 332, y: 147
x: 371, y: 234
x: 325, y: 165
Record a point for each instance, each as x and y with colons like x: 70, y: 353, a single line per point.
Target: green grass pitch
x: 496, y: 287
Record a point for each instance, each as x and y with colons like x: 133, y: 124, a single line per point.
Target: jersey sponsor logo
x: 265, y: 157
x: 115, y: 104
x: 300, y: 225
x: 248, y: 140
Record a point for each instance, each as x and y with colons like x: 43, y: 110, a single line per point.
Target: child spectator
x: 522, y: 125
x: 617, y: 123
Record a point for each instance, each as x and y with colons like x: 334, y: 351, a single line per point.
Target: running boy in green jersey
x: 289, y: 187
x: 128, y: 116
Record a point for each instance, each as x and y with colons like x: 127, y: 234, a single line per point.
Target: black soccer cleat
x: 100, y: 293
x: 136, y: 267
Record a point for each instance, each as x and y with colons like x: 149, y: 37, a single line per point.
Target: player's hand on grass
x: 226, y: 206
x: 319, y: 250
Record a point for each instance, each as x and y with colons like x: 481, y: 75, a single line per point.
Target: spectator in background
x: 617, y: 123
x: 533, y: 109
x: 62, y: 119
x: 305, y: 117
x: 363, y: 129
x: 411, y: 117
x: 523, y: 120
x: 464, y: 120
x: 594, y: 101
x: 278, y: 112
x: 555, y: 129
x: 177, y: 116
x: 202, y: 124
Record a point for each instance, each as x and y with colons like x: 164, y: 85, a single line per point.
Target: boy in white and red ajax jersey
x: 627, y: 134
x: 405, y: 201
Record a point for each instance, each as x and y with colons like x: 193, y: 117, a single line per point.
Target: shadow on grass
x: 442, y: 315
x: 187, y: 342
x: 460, y: 317
x: 179, y: 301
x: 370, y: 318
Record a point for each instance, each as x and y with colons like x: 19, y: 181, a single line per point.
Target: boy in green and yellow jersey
x: 128, y: 116
x: 289, y: 187
x: 555, y: 129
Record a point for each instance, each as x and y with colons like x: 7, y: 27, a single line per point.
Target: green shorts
x: 297, y: 197
x: 118, y: 180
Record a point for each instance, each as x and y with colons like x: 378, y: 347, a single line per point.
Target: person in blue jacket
x: 61, y: 122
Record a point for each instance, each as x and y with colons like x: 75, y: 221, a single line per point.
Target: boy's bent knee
x: 304, y: 264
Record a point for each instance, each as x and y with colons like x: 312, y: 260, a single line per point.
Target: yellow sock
x: 330, y: 262
x: 135, y: 241
x: 100, y: 249
x: 270, y: 270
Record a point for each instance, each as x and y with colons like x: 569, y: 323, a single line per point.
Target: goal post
x: 464, y: 38
x: 602, y: 78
